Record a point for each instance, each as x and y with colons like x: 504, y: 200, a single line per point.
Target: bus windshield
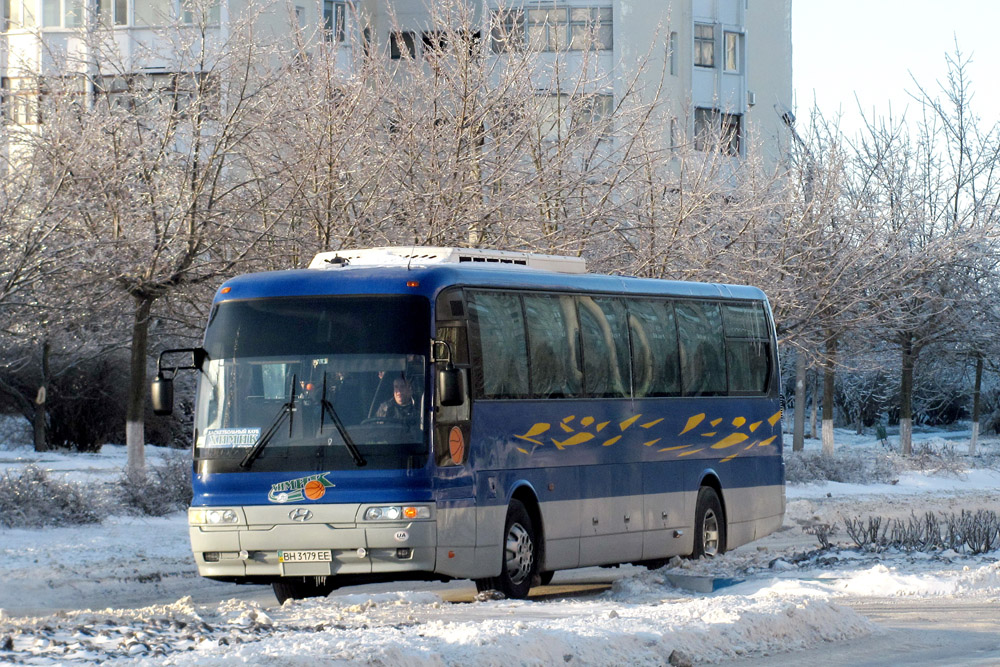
x: 301, y: 373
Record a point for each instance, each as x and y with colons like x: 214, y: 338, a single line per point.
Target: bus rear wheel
x: 709, y: 525
x: 520, y: 556
x: 299, y: 588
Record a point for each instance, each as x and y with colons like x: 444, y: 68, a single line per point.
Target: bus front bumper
x: 265, y: 543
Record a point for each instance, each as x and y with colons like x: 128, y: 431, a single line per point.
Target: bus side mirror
x: 162, y: 395
x: 451, y: 390
x: 162, y: 390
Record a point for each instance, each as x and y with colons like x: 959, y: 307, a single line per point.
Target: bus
x: 442, y: 413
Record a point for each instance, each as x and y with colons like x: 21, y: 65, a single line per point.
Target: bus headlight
x: 212, y: 517
x: 397, y: 513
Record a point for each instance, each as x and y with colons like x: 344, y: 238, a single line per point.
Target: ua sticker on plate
x: 402, y: 536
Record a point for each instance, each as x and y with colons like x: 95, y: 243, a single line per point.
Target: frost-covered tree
x: 935, y: 183
x: 148, y: 176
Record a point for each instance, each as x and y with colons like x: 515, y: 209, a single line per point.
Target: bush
x: 31, y: 499
x: 849, y: 468
x: 165, y: 488
x: 937, y: 461
x: 86, y: 406
x: 968, y: 532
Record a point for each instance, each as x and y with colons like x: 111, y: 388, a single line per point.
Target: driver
x: 401, y: 406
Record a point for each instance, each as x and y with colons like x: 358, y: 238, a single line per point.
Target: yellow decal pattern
x: 578, y: 432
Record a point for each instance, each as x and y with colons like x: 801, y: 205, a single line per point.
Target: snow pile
x: 127, y: 571
x: 891, y: 581
x: 420, y: 629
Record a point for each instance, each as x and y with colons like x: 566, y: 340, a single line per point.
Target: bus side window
x: 655, y: 362
x: 605, y: 347
x: 703, y: 361
x: 552, y: 343
x: 748, y: 348
x: 497, y: 323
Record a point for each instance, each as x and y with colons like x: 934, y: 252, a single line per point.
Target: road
x: 917, y: 631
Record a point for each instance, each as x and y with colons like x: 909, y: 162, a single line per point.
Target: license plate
x: 305, y: 556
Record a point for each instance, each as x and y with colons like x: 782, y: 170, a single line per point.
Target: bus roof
x: 429, y: 280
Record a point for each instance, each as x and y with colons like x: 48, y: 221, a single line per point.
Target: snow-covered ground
x: 126, y: 590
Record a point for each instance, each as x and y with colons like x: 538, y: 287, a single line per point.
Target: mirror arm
x: 435, y: 345
x: 198, y: 357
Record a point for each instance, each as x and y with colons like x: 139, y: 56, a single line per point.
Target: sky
x: 860, y: 54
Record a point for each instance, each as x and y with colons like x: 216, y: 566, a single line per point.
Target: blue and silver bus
x: 436, y: 413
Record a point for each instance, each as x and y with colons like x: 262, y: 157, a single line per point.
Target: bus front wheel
x: 298, y: 588
x: 520, y: 555
x: 709, y: 525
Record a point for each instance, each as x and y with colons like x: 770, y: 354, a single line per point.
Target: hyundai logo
x: 300, y: 514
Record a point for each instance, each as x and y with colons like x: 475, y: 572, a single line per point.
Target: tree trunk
x: 41, y: 414
x: 974, y: 441
x: 812, y: 408
x: 799, y: 424
x: 135, y: 435
x: 906, y: 397
x: 829, y: 375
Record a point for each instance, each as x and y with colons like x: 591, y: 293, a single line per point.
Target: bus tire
x: 709, y: 525
x: 299, y: 588
x: 519, y: 556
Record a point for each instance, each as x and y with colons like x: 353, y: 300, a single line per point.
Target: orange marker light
x: 410, y: 512
x: 451, y: 554
x: 413, y: 283
x: 225, y: 290
x: 456, y: 444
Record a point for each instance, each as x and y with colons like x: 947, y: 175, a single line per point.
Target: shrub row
x: 968, y: 532
x: 846, y: 467
x: 32, y: 498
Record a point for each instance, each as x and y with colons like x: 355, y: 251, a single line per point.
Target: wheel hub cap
x: 520, y: 553
x: 710, y: 534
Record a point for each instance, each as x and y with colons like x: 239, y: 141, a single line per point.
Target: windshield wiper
x: 327, y: 408
x: 287, y: 410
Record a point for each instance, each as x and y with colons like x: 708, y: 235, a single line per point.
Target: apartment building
x: 722, y: 65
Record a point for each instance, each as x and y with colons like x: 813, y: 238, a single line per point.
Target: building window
x: 151, y: 12
x: 592, y: 111
x: 545, y: 29
x: 18, y: 14
x: 24, y: 98
x: 400, y: 43
x: 200, y: 11
x: 553, y: 117
x: 718, y: 131
x: 112, y: 12
x: 673, y: 54
x: 553, y: 29
x: 5, y: 100
x: 732, y: 60
x: 334, y: 20
x: 731, y: 137
x: 590, y: 28
x: 562, y: 115
x: 19, y: 101
x: 704, y: 45
x: 706, y: 123
x: 178, y: 93
x: 62, y: 13
x: 433, y: 43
